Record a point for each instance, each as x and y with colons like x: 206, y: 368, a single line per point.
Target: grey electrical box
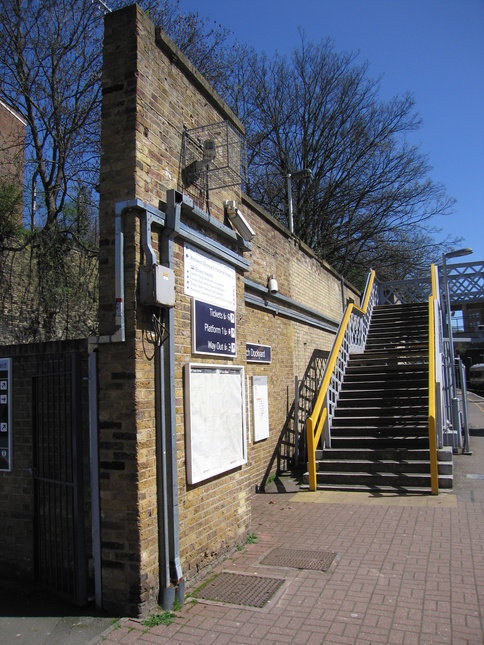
x: 157, y: 285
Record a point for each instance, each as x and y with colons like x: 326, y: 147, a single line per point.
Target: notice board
x: 260, y: 406
x: 214, y: 420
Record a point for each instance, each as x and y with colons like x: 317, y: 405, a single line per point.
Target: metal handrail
x: 434, y: 472
x: 347, y: 339
x: 466, y: 449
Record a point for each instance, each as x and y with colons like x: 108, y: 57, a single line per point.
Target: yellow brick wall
x: 150, y: 94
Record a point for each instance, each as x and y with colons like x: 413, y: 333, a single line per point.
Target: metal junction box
x: 157, y: 285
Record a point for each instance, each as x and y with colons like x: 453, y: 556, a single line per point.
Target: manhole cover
x: 300, y: 559
x: 239, y: 589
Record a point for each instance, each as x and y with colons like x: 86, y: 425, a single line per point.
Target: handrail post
x: 434, y: 468
x: 311, y: 454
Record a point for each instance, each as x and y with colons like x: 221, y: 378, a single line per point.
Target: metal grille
x: 466, y: 282
x: 228, y: 166
x: 300, y: 559
x: 241, y: 589
x: 59, y: 521
x: 405, y: 291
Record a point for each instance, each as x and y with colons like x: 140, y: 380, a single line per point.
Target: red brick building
x: 12, y: 146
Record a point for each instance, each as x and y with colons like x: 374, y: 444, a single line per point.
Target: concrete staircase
x: 379, y: 434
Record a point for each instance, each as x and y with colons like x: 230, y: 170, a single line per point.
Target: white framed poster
x: 216, y: 440
x: 260, y: 407
x: 208, y: 279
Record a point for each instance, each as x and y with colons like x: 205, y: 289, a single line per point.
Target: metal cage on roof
x: 214, y: 156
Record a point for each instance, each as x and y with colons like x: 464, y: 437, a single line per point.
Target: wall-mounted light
x: 238, y: 221
x: 272, y: 285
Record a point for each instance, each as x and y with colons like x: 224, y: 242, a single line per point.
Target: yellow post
x: 311, y: 454
x: 434, y: 468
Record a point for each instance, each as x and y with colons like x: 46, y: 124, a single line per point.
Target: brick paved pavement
x: 409, y: 570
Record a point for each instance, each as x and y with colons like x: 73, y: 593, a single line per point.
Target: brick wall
x: 151, y: 93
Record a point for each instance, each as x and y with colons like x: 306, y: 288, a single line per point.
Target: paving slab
x: 407, y: 569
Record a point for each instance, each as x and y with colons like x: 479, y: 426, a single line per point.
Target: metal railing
x: 290, y: 450
x: 448, y: 420
x: 445, y: 422
x: 404, y: 291
x: 351, y: 338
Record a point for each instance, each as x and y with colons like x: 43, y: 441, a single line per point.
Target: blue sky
x: 432, y: 48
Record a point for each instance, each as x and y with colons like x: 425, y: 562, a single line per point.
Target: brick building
x: 191, y: 395
x: 152, y: 96
x: 12, y: 147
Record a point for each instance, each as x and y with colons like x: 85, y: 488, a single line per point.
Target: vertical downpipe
x: 168, y: 477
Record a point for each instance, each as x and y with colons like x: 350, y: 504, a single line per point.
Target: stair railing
x: 351, y: 338
x: 433, y: 335
x: 300, y: 408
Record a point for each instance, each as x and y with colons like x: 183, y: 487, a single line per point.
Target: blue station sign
x: 258, y: 353
x: 213, y: 330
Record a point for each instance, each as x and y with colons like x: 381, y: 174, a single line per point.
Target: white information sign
x: 260, y: 407
x: 208, y: 279
x: 215, y: 420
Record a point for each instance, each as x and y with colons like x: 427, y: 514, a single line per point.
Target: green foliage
x: 164, y: 618
x: 252, y: 539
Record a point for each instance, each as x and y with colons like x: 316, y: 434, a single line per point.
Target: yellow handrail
x: 434, y: 469
x: 315, y: 423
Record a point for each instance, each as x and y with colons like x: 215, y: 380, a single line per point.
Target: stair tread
x: 362, y: 488
x: 400, y: 437
x: 365, y: 474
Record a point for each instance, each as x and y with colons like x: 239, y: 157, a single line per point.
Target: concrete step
x: 390, y: 369
x: 380, y: 409
x: 374, y: 479
x: 445, y: 483
x: 380, y: 442
x: 384, y: 482
x: 369, y: 454
x: 412, y: 311
x: 358, y: 399
x: 394, y: 466
x: 370, y: 489
x: 372, y: 466
x: 395, y: 346
x: 387, y: 361
x: 387, y: 424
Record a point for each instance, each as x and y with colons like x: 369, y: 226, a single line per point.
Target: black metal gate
x: 60, y: 561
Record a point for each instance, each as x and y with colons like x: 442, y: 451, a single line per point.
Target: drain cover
x: 300, y: 559
x: 239, y: 589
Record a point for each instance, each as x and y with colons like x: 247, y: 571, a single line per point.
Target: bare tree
x: 50, y: 71
x: 50, y: 66
x: 370, y: 188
